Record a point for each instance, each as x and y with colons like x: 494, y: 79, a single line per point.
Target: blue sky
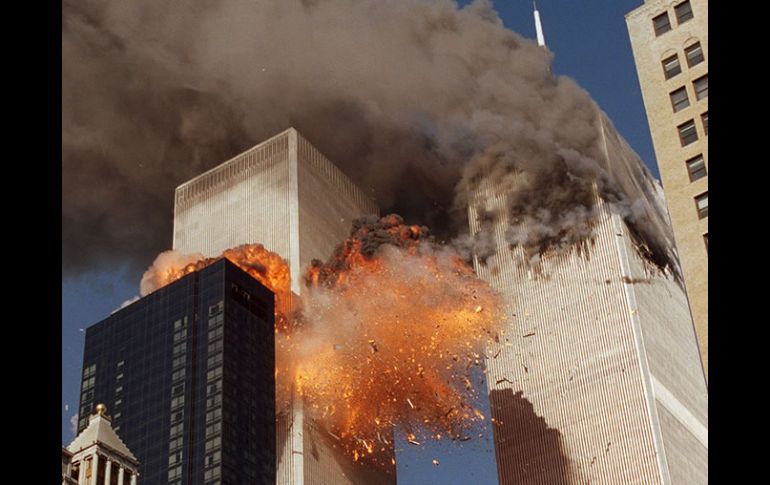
x: 590, y: 43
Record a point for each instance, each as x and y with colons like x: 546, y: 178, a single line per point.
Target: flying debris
x: 391, y: 320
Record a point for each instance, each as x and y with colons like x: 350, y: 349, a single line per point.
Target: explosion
x: 265, y: 266
x: 386, y: 334
x: 393, y: 324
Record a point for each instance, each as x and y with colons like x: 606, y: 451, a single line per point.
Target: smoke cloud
x: 418, y: 101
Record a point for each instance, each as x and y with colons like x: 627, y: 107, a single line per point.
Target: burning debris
x: 386, y: 333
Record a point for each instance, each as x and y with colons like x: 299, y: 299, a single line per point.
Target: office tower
x: 286, y: 195
x: 188, y: 374
x: 97, y: 456
x: 597, y: 378
x: 670, y: 45
x: 282, y: 193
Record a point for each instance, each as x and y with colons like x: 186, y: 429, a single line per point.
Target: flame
x: 386, y: 334
x: 394, y: 324
x: 265, y: 266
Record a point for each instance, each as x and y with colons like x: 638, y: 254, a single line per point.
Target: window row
x: 688, y: 133
x: 679, y: 98
x: 662, y: 24
x: 693, y: 54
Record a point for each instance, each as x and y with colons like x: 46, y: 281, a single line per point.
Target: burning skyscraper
x: 597, y: 376
x: 285, y: 194
x: 188, y: 374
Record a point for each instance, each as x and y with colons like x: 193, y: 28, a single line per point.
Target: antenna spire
x: 538, y: 26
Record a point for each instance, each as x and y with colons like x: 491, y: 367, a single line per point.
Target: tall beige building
x: 286, y: 195
x: 670, y: 45
x: 597, y: 377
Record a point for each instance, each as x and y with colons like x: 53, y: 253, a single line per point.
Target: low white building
x: 98, y: 456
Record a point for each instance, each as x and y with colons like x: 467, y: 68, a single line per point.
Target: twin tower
x: 597, y: 377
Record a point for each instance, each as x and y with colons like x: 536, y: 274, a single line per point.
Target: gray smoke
x: 416, y: 100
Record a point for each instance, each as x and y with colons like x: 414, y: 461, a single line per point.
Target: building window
x: 671, y: 66
x: 89, y: 371
x: 694, y: 54
x: 704, y: 118
x: 213, y: 444
x: 683, y: 12
x: 661, y: 24
x: 696, y: 168
x: 213, y: 429
x: 175, y: 444
x: 679, y: 99
x: 180, y: 335
x: 214, y: 373
x: 213, y: 458
x: 178, y: 375
x: 174, y: 472
x: 89, y: 383
x: 701, y: 86
x: 687, y: 133
x: 702, y: 204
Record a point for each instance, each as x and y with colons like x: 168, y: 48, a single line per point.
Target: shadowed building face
x: 527, y: 448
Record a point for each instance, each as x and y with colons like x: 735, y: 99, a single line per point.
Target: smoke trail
x: 416, y: 100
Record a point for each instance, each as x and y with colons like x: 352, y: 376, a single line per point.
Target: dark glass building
x: 188, y: 373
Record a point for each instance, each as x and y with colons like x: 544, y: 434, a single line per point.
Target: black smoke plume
x: 416, y: 100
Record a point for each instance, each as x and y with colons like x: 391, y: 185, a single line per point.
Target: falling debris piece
x: 435, y: 462
x: 410, y: 403
x: 373, y: 345
x: 337, y: 346
x: 526, y: 370
x: 334, y: 436
x: 393, y: 460
x: 413, y: 441
x: 66, y: 407
x: 608, y: 447
x: 498, y: 353
x: 503, y: 380
x: 529, y: 334
x: 478, y: 309
x: 465, y: 438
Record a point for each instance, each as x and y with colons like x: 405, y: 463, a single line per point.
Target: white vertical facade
x: 601, y: 346
x: 282, y: 193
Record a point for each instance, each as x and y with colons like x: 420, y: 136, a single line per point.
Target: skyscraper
x: 597, y: 377
x: 282, y: 193
x: 670, y: 45
x: 188, y: 374
x: 286, y: 195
